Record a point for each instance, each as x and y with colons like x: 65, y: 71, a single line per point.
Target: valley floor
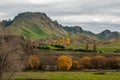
x: 68, y: 75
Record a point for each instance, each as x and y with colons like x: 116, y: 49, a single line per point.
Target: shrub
x: 99, y: 62
x: 34, y: 61
x: 113, y: 63
x: 64, y: 63
x: 75, y: 65
x: 59, y: 46
x: 85, y: 62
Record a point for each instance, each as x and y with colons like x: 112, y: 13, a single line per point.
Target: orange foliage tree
x: 64, y: 63
x: 34, y: 61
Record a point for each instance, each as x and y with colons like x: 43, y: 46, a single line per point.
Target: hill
x: 105, y: 35
x: 38, y: 25
x: 33, y: 26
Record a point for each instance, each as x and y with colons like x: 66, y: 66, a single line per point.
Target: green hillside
x: 38, y: 25
x: 109, y: 45
x: 35, y: 26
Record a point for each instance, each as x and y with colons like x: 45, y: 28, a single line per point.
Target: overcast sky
x: 92, y: 15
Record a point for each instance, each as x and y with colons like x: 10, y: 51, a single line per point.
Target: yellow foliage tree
x: 60, y: 42
x: 34, y: 61
x: 64, y: 63
x: 68, y: 41
x: 54, y: 41
x: 63, y: 40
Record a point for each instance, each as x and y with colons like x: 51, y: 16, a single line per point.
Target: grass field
x: 68, y: 75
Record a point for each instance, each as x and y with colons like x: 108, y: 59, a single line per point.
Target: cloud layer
x: 93, y: 15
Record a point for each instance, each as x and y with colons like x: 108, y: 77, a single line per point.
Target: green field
x: 68, y: 75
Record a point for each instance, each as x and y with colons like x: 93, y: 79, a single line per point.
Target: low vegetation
x: 67, y: 75
x: 18, y: 54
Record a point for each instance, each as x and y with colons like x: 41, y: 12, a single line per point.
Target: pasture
x: 67, y: 75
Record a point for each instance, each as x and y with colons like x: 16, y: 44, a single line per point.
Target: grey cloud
x: 64, y: 8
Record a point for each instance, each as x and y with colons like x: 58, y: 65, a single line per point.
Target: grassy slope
x: 109, y: 46
x: 68, y: 75
x: 34, y: 29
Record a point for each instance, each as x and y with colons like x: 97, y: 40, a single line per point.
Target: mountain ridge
x: 37, y: 25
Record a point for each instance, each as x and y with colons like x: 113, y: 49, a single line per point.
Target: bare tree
x: 94, y: 47
x: 10, y: 51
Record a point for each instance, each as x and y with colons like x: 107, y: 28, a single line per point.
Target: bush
x: 64, y: 63
x: 99, y: 62
x: 85, y: 62
x: 59, y: 46
x: 34, y: 61
x: 75, y: 65
x: 113, y: 63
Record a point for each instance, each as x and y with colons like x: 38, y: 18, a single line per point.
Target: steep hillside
x: 37, y: 26
x: 34, y: 26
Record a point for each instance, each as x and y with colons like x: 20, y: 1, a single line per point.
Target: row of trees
x: 85, y: 62
x: 62, y: 41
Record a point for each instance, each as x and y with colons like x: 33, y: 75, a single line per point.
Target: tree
x: 64, y: 63
x: 113, y: 62
x: 75, y: 65
x: 68, y: 41
x: 85, y: 62
x: 87, y: 46
x: 34, y: 61
x: 94, y: 47
x: 99, y: 62
x: 10, y: 54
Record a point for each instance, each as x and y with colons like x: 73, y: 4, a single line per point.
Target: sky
x: 92, y: 15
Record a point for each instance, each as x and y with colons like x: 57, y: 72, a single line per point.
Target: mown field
x: 67, y: 75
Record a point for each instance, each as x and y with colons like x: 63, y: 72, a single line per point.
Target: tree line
x: 65, y: 63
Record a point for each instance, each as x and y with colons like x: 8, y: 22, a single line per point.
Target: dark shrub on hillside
x: 45, y: 47
x: 59, y: 46
x: 117, y: 51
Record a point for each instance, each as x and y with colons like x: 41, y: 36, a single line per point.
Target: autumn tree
x: 113, y: 62
x: 64, y: 63
x: 63, y: 40
x: 99, y: 62
x: 68, y: 41
x: 54, y: 41
x: 34, y: 61
x: 85, y: 62
x: 75, y: 65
